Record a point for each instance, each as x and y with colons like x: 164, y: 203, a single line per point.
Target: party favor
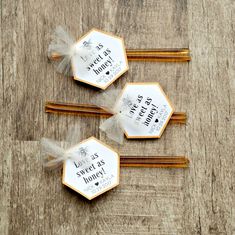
x: 140, y: 110
x: 89, y: 167
x: 98, y: 58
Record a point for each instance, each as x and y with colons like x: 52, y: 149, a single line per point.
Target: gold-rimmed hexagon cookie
x: 148, y: 110
x: 95, y: 171
x: 103, y: 61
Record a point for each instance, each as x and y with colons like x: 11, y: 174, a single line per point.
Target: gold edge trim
x: 105, y: 190
x: 169, y: 102
x: 118, y: 75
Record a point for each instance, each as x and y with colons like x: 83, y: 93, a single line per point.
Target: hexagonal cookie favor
x: 147, y: 110
x: 95, y: 171
x: 99, y: 59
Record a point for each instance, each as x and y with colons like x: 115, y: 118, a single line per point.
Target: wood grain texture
x: 198, y: 200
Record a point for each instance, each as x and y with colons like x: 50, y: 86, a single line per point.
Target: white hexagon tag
x: 99, y: 59
x: 95, y: 171
x: 147, y: 110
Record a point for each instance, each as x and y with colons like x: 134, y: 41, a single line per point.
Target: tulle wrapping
x: 61, y: 45
x: 65, y: 47
x: 53, y: 154
x: 113, y: 126
x: 107, y: 99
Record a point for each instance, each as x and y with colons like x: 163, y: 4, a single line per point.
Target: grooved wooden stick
x: 93, y: 110
x: 156, y: 55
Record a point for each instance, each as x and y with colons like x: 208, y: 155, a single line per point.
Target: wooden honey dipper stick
x: 155, y: 55
x: 93, y: 110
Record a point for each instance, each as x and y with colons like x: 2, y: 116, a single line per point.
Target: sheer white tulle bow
x: 110, y: 101
x: 53, y: 154
x: 65, y: 47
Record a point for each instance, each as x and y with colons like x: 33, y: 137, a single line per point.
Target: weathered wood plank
x: 199, y: 200
x: 5, y: 186
x: 210, y: 183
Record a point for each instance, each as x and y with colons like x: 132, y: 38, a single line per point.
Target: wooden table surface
x: 198, y: 200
